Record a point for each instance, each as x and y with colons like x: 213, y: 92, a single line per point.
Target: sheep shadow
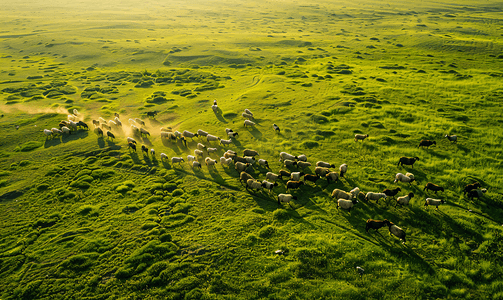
x: 219, y: 116
x: 255, y: 133
x: 166, y: 164
x: 135, y: 157
x: 52, y: 142
x: 75, y: 136
x: 215, y: 175
x: 237, y: 143
x: 110, y: 143
x: 146, y: 141
x: 101, y: 142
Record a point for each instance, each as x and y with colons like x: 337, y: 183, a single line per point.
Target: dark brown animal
x: 407, y: 161
x: 426, y: 143
x: 239, y: 159
x: 433, y: 187
x: 99, y: 131
x: 392, y: 193
x: 311, y: 177
x: 110, y: 135
x: 284, y: 173
x: 293, y: 184
x: 144, y: 149
x: 375, y: 224
x: 131, y: 146
x: 470, y: 187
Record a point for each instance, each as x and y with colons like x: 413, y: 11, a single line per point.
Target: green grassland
x: 84, y: 217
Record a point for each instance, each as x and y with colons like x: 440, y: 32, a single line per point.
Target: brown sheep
x: 470, y: 187
x: 426, y: 143
x: 407, y: 161
x: 433, y: 187
x: 293, y: 184
x: 392, y: 193
x: 375, y: 224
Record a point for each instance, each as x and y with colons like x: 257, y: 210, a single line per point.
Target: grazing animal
x: 276, y: 128
x: 239, y: 159
x: 433, y: 187
x: 355, y: 192
x: 131, y: 140
x: 407, y: 161
x: 332, y: 176
x: 322, y: 172
x: 164, y: 156
x: 83, y: 125
x: 144, y: 149
x: 284, y: 173
x: 188, y: 134
x: 392, y: 193
x: 48, y: 133
x: 476, y: 193
x: 211, y: 138
x: 286, y: 198
x: 249, y: 123
x: 470, y: 187
x: 426, y: 143
x: 375, y: 224
x: 140, y: 121
x: 131, y: 146
x: 361, y: 137
x: 212, y: 150
x: 232, y: 134
x: 253, y: 184
x: 65, y: 129
x: 105, y: 126
x: 302, y: 157
x: 249, y: 152
x: 226, y: 142
x: 201, y: 133
x: 346, y: 204
x: 243, y: 177
x: 409, y: 177
x: 196, y: 164
x: 303, y: 164
x: 343, y: 169
x: 56, y: 131
x: 284, y: 155
x: 250, y: 159
x: 433, y: 202
x: 289, y: 163
x: 190, y: 158
x: 247, y: 116
x: 102, y: 120
x: 263, y: 163
x: 152, y: 151
x: 214, y: 107
x: 118, y: 122
x: 295, y: 176
x: 325, y: 164
x: 201, y: 146
x: 248, y: 112
x: 110, y: 135
x: 375, y: 196
x: 396, y: 231
x: 178, y: 160
x: 269, y: 185
x: 452, y: 138
x: 240, y: 167
x: 340, y: 194
x: 116, y: 115
x: 404, y: 200
x: 210, y: 162
x: 271, y: 176
x: 96, y: 123
x: 98, y: 131
x: 310, y: 177
x: 293, y: 184
x: 144, y: 131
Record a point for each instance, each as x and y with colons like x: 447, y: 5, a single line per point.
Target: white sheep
x: 201, y: 133
x: 196, y: 164
x: 144, y: 131
x: 249, y: 123
x: 189, y: 134
x: 226, y: 142
x: 178, y: 134
x: 253, y: 184
x: 201, y: 146
x: 340, y: 194
x: 211, y: 138
x: 263, y: 163
x: 112, y: 123
x: 164, y: 156
x: 250, y: 159
x: 131, y: 121
x: 232, y: 134
x: 324, y: 164
x: 229, y: 154
x: 47, y: 133
x: 284, y: 155
x: 396, y: 231
x: 102, y: 120
x: 118, y: 122
x: 152, y: 151
x: 331, y: 176
x: 269, y: 185
x: 135, y: 129
x: 343, y: 169
x: 288, y: 162
x: 248, y: 112
x: 302, y: 157
x: 295, y: 176
x: 433, y: 202
x: 56, y: 131
x: 72, y: 125
x: 210, y: 162
x: 355, y: 192
x: 286, y: 198
x: 322, y: 172
x: 66, y: 130
x: 271, y: 176
x: 178, y: 160
x: 139, y: 121
x: 198, y: 152
x: 190, y: 158
x: 360, y: 137
x: 409, y: 177
x: 75, y: 111
x: 72, y: 118
x: 250, y: 152
x: 240, y: 167
x: 247, y: 116
x: 452, y: 138
x: 346, y: 204
x: 131, y: 140
x: 214, y: 107
x: 374, y: 196
x: 225, y: 161
x: 404, y: 200
x: 212, y: 150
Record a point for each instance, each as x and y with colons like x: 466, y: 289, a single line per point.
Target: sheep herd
x: 345, y: 199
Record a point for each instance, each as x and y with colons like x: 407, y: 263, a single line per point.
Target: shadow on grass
x: 146, y: 141
x: 165, y: 164
x: 135, y: 157
x: 101, y: 142
x: 218, y: 114
x: 255, y: 133
x: 52, y: 142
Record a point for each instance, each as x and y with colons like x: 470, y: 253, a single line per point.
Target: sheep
x: 118, y: 122
x: 145, y: 132
x: 340, y: 194
x: 248, y: 112
x: 470, y: 187
x: 96, y: 123
x: 56, y: 131
x: 212, y: 150
x: 72, y: 125
x: 140, y: 121
x: 102, y: 120
x: 271, y: 176
x: 322, y: 172
x: 201, y: 133
x: 346, y: 204
x: 63, y: 123
x: 110, y: 135
x: 200, y: 146
x: 476, y: 193
x: 144, y: 149
x: 263, y: 163
x: 243, y: 177
x: 433, y: 187
x: 196, y: 164
x: 178, y: 134
x: 209, y: 161
x: 239, y: 159
x: 396, y: 231
x: 375, y: 224
x: 310, y: 177
x: 303, y: 164
x: 249, y: 152
x: 214, y: 107
x: 392, y: 193
x: 116, y: 115
x: 132, y: 121
x: 409, y: 177
x: 240, y: 167
x: 324, y: 164
x: 225, y: 161
x: 190, y: 158
x: 332, y: 176
x: 71, y: 117
x: 375, y: 196
x: 98, y: 131
x: 198, y: 152
x: 164, y: 156
x: 288, y: 162
x: 75, y: 111
x: 131, y: 140
x: 105, y: 126
x: 227, y: 130
x: 433, y: 202
x: 253, y: 184
x: 276, y: 128
x: 452, y: 138
x: 65, y: 129
x: 355, y: 192
x: 247, y: 116
x: 284, y: 155
x: 152, y: 151
x: 407, y: 161
x: 250, y: 159
x: 83, y: 125
x: 295, y: 176
x: 286, y: 198
x: 135, y: 129
x: 284, y: 173
x: 426, y: 143
x: 188, y: 134
x: 132, y: 146
x: 360, y: 137
x: 302, y: 157
x: 168, y: 135
x: 249, y: 123
x: 228, y: 154
x: 226, y: 142
x: 232, y: 134
x: 48, y: 133
x: 110, y: 122
x: 178, y: 160
x: 343, y: 169
x: 210, y: 138
x: 269, y: 185
x: 404, y: 200
x: 167, y: 129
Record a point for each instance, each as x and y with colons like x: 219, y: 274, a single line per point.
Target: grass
x: 85, y: 217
